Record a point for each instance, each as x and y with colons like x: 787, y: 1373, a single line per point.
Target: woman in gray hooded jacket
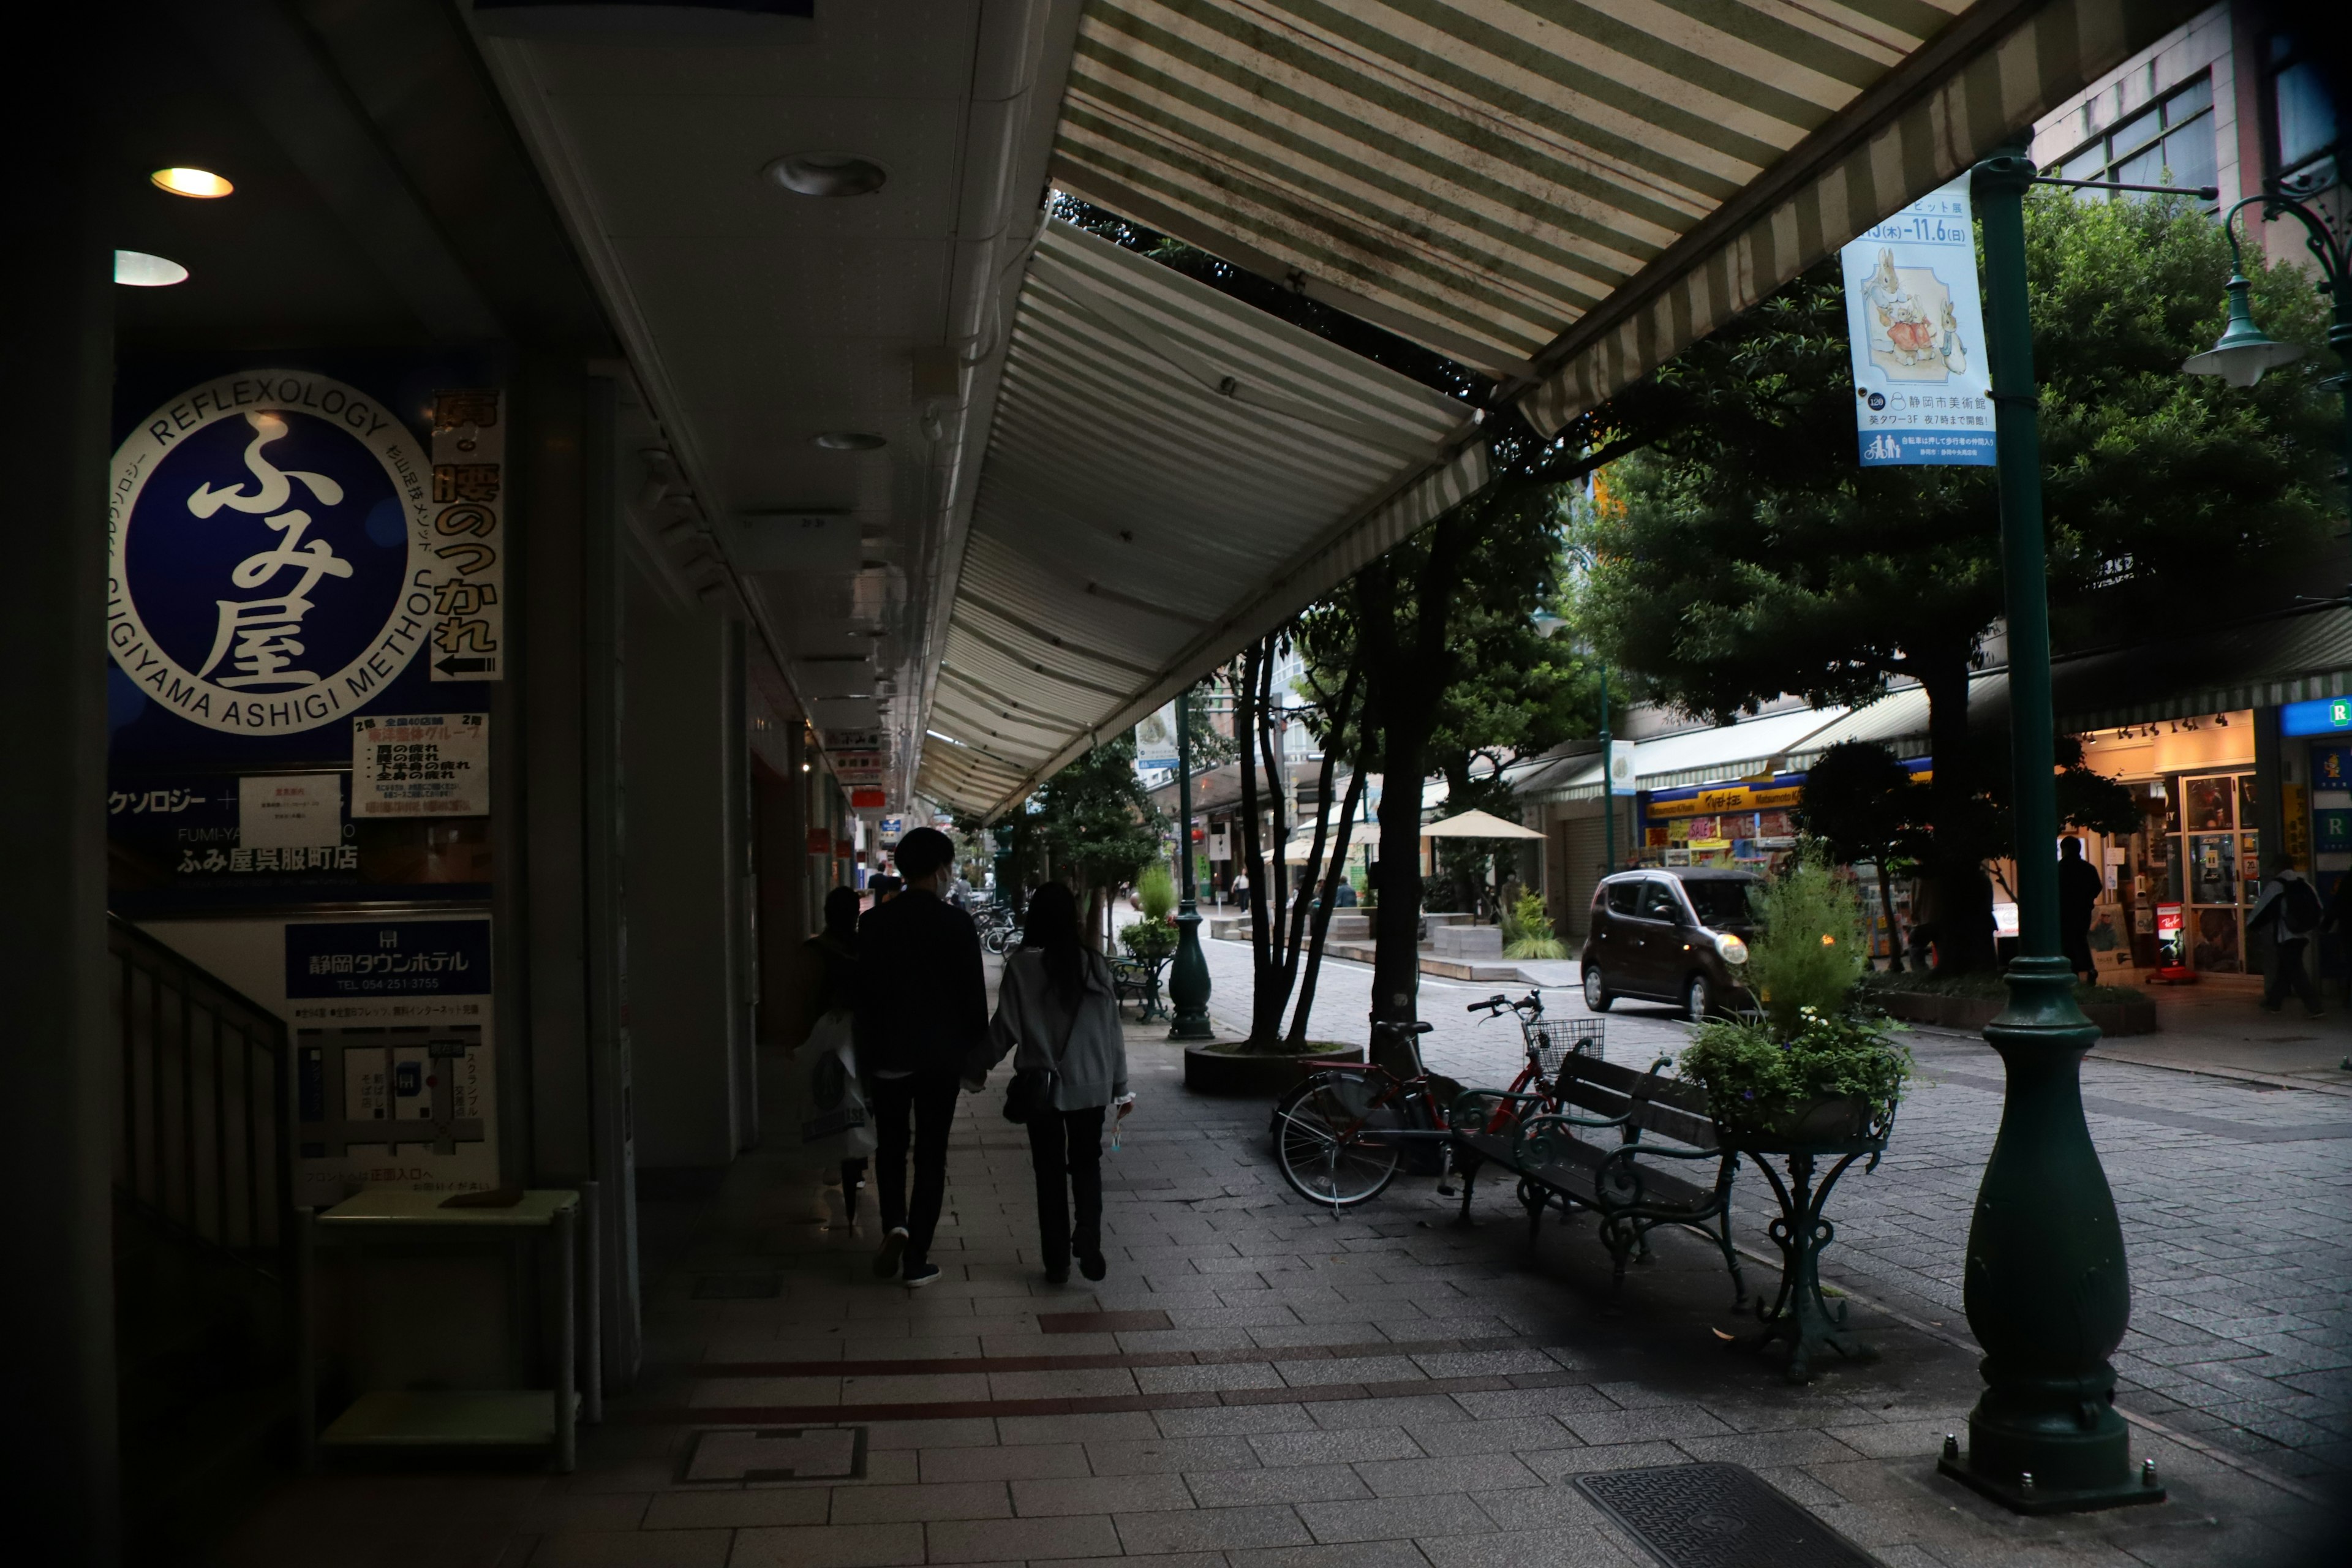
x: 1055, y: 1009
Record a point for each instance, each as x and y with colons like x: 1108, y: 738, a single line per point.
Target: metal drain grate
x: 1718, y: 1516
x: 738, y: 1286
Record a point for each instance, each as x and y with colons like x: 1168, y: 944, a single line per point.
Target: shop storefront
x: 2181, y: 885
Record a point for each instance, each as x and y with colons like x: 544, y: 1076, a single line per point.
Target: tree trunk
x: 1963, y: 895
x: 1296, y: 1036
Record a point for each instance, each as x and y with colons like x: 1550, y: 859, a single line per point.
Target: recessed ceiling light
x: 201, y: 183
x: 847, y: 440
x: 827, y: 174
x: 141, y: 270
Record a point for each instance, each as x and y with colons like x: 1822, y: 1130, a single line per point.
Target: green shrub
x: 1753, y: 1070
x: 1155, y: 892
x: 1148, y: 939
x: 1809, y: 951
x: 1527, y: 930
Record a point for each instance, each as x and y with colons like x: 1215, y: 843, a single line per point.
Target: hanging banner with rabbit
x: 1917, y: 329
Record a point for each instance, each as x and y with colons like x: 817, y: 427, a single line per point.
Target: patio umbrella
x: 1477, y: 824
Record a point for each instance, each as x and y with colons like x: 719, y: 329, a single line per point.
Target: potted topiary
x: 1153, y: 938
x: 1810, y: 1064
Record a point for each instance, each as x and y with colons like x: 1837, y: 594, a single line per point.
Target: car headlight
x: 1731, y: 948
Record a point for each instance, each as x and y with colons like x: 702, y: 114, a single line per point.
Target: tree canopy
x: 1753, y: 555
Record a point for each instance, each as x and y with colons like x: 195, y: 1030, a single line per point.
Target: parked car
x: 1674, y: 935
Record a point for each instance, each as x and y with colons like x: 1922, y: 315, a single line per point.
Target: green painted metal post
x: 1608, y: 787
x: 2045, y: 1285
x: 1187, y: 979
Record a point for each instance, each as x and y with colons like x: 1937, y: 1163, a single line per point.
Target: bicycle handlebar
x: 1532, y: 1003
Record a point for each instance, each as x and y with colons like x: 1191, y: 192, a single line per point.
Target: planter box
x: 1969, y: 1012
x: 1258, y: 1078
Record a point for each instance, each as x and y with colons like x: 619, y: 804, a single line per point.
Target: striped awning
x: 1562, y: 195
x: 1170, y: 474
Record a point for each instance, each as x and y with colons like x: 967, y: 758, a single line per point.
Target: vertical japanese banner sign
x: 469, y: 445
x: 1922, y: 393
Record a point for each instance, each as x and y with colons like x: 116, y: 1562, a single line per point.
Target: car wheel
x: 1698, y: 999
x: 1596, y: 990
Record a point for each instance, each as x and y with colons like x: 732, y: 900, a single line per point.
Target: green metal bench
x: 1559, y: 1142
x: 1136, y: 980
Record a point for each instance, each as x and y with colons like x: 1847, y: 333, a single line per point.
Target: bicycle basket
x: 1552, y: 1041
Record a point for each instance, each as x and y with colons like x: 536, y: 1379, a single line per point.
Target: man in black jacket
x: 922, y: 1006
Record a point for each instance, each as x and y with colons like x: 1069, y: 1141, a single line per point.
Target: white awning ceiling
x: 1170, y: 473
x: 1564, y: 195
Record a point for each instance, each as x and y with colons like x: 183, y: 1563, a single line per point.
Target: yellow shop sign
x: 1730, y: 797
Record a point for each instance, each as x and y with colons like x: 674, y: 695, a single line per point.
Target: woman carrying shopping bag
x: 1057, y: 1016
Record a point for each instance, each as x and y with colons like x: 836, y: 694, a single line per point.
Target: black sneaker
x: 919, y: 1275
x: 1092, y: 1265
x: 1058, y: 1276
x: 894, y: 1246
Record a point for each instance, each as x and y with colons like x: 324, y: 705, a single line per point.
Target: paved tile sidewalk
x: 1278, y: 1389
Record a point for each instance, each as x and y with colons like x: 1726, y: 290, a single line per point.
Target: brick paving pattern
x: 1260, y: 1385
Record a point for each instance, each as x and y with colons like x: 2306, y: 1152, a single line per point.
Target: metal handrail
x: 201, y: 1140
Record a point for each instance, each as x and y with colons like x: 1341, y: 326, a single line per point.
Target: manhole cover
x: 738, y: 1286
x: 735, y: 1455
x: 1718, y: 1516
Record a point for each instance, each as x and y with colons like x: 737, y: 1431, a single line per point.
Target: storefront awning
x: 1170, y: 473
x: 1566, y: 195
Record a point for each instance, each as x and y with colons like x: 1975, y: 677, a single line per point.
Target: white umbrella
x: 1477, y: 824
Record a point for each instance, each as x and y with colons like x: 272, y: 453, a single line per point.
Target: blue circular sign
x: 269, y: 552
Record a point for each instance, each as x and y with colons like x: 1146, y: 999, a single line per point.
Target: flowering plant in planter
x: 1149, y: 938
x: 1835, y: 1077
x: 1811, y: 1065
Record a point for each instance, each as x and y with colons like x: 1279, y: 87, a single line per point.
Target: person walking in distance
x: 1058, y: 1016
x: 2290, y: 910
x: 922, y: 1009
x: 2078, y: 891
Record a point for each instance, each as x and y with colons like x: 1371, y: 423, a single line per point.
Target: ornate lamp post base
x: 2046, y: 1288
x: 1188, y: 982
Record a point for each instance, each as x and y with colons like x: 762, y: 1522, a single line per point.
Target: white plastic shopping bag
x: 831, y: 1123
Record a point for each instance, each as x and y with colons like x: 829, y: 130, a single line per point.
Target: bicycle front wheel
x: 1324, y: 1137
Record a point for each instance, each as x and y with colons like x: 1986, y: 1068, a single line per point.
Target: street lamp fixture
x: 2246, y: 352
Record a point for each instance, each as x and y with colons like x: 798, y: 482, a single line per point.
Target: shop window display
x: 2213, y: 866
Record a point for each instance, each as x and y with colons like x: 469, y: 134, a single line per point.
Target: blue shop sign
x: 271, y: 558
x: 388, y: 958
x: 2320, y: 716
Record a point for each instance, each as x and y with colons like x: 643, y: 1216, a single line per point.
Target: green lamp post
x: 1188, y: 978
x: 2045, y: 1286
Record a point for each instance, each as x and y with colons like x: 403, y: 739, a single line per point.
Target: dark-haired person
x: 922, y: 1009
x: 1055, y: 1011
x: 830, y: 985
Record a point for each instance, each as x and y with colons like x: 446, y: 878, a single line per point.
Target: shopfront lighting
x: 137, y: 269
x: 827, y: 174
x: 202, y: 184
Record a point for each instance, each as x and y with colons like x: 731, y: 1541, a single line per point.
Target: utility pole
x: 2046, y: 1289
x: 1187, y: 979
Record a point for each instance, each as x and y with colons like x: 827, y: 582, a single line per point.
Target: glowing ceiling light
x: 201, y: 183
x: 140, y: 270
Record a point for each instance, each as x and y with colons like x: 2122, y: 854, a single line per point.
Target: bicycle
x: 1549, y: 1041
x: 1340, y: 1135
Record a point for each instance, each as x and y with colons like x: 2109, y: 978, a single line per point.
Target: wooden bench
x: 1634, y: 1148
x: 1136, y: 980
